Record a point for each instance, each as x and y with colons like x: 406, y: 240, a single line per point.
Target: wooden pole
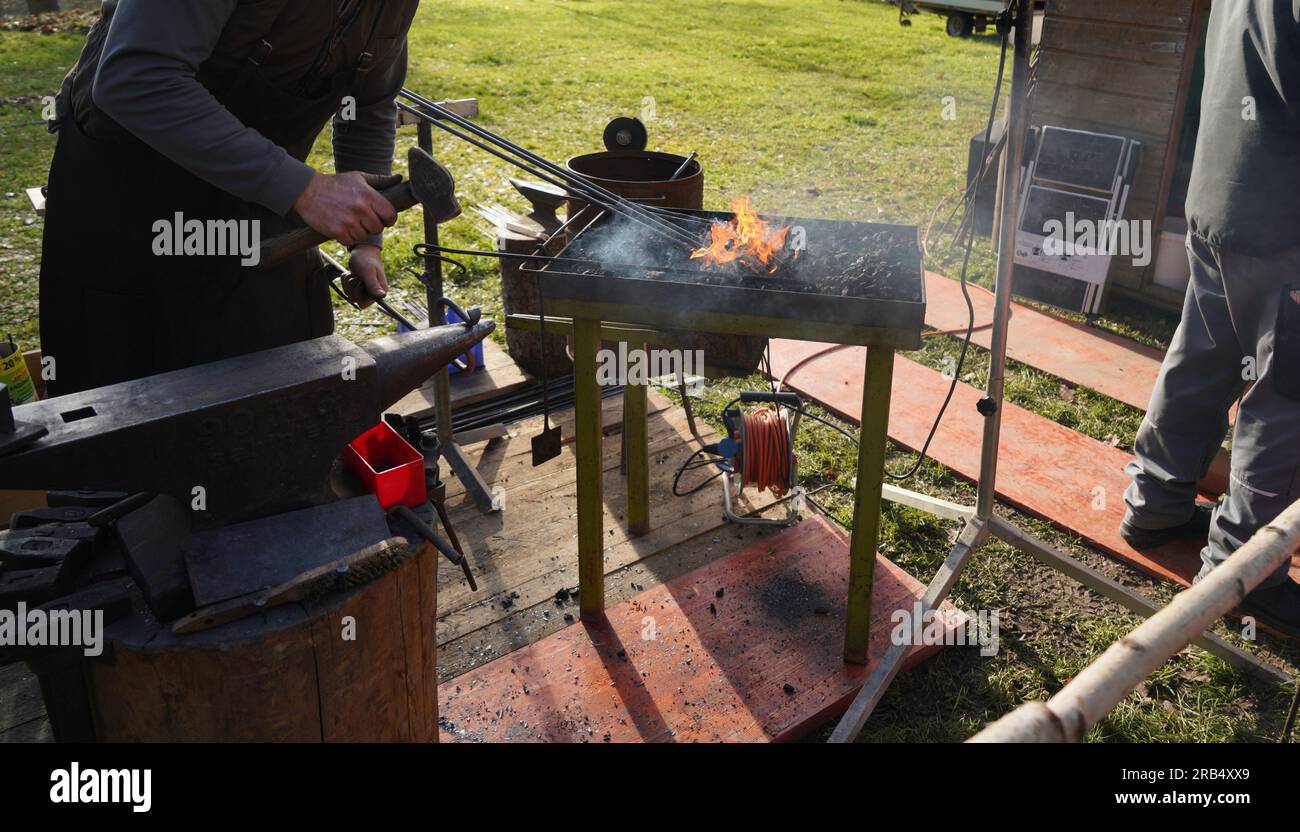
x: 1092, y: 694
x: 637, y: 448
x: 866, y: 501
x: 588, y: 449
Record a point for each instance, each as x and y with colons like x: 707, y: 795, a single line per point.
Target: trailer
x: 964, y: 16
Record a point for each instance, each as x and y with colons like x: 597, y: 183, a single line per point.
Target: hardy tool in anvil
x: 431, y: 185
x: 252, y: 436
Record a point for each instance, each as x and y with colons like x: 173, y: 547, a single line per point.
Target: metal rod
x: 585, y: 186
x: 1017, y: 127
x: 679, y: 235
x: 522, y: 152
x: 684, y: 166
x: 441, y: 381
x: 420, y: 248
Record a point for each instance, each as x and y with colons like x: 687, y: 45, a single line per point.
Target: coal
x: 838, y: 259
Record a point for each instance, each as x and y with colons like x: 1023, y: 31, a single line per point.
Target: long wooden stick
x: 1086, y: 700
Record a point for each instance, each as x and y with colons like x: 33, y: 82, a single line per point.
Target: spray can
x: 14, y: 374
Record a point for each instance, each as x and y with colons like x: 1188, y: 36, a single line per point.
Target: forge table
x: 603, y: 307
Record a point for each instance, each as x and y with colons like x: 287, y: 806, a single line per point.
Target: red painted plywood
x: 1045, y: 469
x: 1083, y: 355
x: 681, y: 663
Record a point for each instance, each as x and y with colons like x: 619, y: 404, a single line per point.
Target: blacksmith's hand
x: 367, y: 280
x: 344, y: 207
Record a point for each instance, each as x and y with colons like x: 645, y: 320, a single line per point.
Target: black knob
x: 986, y: 406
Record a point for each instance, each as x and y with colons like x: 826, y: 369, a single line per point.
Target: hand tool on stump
x: 355, y: 570
x: 253, y: 435
x: 431, y: 185
x: 451, y: 553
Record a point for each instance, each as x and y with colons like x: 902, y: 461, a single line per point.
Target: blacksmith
x: 1240, y: 330
x: 202, y: 113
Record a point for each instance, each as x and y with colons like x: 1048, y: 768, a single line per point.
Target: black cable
x: 691, y: 465
x: 965, y: 266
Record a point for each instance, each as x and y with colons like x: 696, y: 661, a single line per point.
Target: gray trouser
x: 1225, y: 337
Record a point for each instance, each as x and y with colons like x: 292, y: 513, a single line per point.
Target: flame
x: 746, y: 239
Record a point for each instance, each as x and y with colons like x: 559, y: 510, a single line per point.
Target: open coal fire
x: 744, y: 250
x: 847, y: 274
x: 747, y: 240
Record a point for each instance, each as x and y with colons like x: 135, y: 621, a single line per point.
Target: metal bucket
x: 644, y: 176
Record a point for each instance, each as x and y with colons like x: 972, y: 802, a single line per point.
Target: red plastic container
x: 389, y: 467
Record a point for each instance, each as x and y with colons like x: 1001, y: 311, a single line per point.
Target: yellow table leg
x: 588, y: 449
x: 866, y: 502
x: 636, y: 438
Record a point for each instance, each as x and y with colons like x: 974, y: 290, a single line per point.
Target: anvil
x: 236, y: 439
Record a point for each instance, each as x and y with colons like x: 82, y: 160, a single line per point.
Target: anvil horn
x: 403, y: 360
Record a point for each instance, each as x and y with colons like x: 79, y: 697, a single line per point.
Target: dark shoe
x: 1278, y: 607
x: 1198, y: 528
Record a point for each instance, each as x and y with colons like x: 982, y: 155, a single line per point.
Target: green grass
x: 823, y: 109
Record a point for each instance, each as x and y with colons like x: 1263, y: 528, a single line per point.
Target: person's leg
x: 1187, y: 418
x: 1266, y: 440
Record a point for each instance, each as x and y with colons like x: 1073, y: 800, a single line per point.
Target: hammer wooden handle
x: 283, y: 246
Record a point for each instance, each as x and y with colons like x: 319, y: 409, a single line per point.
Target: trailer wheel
x: 960, y: 25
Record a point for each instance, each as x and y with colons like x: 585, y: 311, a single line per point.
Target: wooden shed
x: 1135, y: 70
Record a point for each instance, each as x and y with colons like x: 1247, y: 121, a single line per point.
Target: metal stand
x: 447, y: 447
x: 980, y: 520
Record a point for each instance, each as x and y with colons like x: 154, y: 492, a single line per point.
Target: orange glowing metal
x: 746, y: 238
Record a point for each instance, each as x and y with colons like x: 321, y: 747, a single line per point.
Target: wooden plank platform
x: 744, y: 649
x: 526, y: 554
x: 1045, y: 469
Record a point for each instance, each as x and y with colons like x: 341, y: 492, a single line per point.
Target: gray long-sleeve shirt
x: 1245, y: 189
x: 147, y: 82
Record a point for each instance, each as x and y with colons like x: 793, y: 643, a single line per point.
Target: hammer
x: 431, y: 185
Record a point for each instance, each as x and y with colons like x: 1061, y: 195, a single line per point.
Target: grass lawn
x: 823, y: 109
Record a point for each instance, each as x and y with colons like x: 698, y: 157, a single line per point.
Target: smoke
x: 624, y: 242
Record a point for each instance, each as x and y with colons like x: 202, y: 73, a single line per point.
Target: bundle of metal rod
x: 424, y: 249
x: 544, y: 169
x: 516, y: 407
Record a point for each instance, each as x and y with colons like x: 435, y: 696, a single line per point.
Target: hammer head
x: 433, y: 185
